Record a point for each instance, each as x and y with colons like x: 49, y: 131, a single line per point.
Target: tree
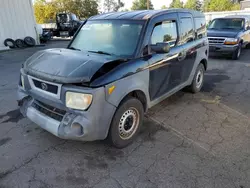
x: 46, y: 10
x: 82, y: 8
x: 164, y: 7
x: 236, y: 6
x: 141, y: 5
x: 176, y: 4
x: 193, y: 4
x: 220, y: 5
x: 112, y: 5
x: 205, y: 6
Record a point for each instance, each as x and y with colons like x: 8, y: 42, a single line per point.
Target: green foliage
x: 176, y: 4
x: 164, y: 7
x: 219, y: 5
x: 193, y: 4
x: 46, y: 10
x: 205, y: 7
x: 112, y: 5
x: 235, y: 6
x: 141, y: 5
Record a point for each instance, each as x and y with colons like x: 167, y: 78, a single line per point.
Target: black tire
x: 20, y: 43
x: 236, y: 54
x: 10, y: 43
x: 29, y: 41
x: 248, y: 46
x: 121, y: 132
x: 197, y: 82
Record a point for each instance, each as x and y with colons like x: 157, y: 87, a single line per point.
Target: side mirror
x: 160, y: 48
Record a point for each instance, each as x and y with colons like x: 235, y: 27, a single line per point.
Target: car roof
x: 142, y: 14
x: 238, y: 16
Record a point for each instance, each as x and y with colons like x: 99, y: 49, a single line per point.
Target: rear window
x: 63, y: 18
x: 187, y: 29
x: 200, y: 25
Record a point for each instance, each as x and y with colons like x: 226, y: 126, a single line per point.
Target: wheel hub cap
x: 128, y: 123
x: 199, y: 79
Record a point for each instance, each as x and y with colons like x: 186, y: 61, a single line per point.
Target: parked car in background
x: 229, y: 35
x: 66, y: 25
x: 117, y: 66
x: 44, y: 36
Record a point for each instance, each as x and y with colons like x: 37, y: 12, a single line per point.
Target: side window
x: 165, y: 32
x: 200, y: 25
x: 187, y: 30
x: 246, y: 24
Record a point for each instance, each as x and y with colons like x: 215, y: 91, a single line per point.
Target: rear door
x: 188, y: 43
x: 164, y: 68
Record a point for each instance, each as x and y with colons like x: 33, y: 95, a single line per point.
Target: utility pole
x: 148, y: 4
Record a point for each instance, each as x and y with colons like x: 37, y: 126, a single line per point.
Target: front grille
x: 48, y: 110
x: 216, y: 40
x: 45, y: 86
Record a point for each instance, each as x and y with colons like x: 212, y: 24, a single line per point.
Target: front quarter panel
x: 123, y: 87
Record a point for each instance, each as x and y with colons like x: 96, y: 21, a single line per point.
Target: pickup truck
x: 117, y: 66
x: 66, y: 25
x: 229, y: 35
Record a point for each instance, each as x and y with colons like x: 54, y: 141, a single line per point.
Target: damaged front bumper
x: 51, y: 114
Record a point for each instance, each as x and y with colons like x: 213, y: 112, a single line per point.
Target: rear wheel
x: 237, y: 52
x: 198, y: 79
x: 248, y: 46
x: 126, y: 123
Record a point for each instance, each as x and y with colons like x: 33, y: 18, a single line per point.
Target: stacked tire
x: 20, y: 43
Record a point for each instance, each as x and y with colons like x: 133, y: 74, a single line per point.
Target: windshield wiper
x: 73, y: 48
x: 100, y: 52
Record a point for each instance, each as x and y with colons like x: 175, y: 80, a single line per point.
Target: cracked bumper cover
x: 94, y: 122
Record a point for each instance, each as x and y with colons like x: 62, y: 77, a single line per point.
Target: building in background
x: 245, y: 5
x: 17, y: 20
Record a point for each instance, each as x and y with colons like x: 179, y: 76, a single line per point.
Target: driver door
x: 164, y: 69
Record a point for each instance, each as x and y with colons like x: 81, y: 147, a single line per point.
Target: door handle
x: 181, y: 56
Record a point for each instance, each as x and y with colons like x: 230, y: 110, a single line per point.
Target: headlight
x: 78, y: 101
x: 231, y: 41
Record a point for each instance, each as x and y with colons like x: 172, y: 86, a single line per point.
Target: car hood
x: 65, y: 65
x: 222, y: 33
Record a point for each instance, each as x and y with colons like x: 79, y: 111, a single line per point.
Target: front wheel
x: 237, y: 52
x: 126, y: 123
x: 198, y: 79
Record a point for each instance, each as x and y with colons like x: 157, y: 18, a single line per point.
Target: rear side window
x: 187, y: 30
x: 246, y: 24
x: 165, y: 32
x: 200, y: 25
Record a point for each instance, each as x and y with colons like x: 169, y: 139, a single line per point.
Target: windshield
x: 115, y: 37
x: 232, y: 23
